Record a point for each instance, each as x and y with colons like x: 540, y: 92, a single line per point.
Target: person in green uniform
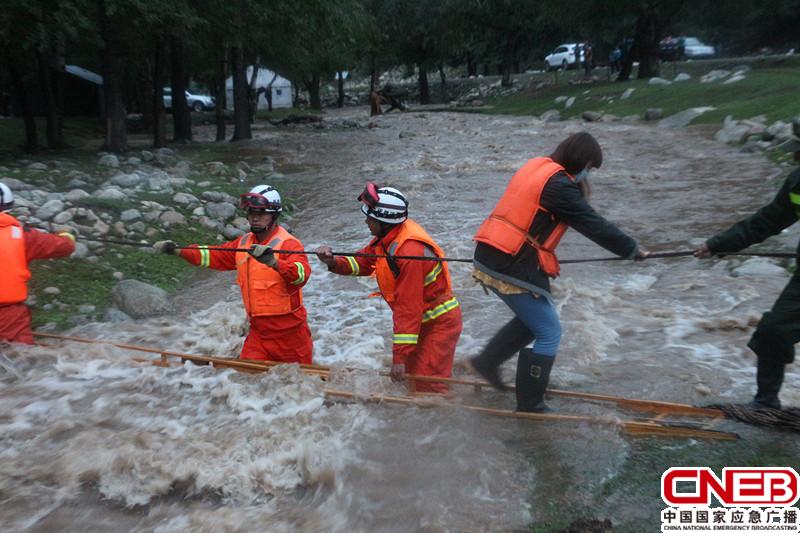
x: 779, y: 328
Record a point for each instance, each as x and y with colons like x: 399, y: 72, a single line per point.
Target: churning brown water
x: 92, y: 442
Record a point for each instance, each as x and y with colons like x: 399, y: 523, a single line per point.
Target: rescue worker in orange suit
x: 271, y: 284
x: 426, y: 315
x: 515, y: 258
x: 18, y: 247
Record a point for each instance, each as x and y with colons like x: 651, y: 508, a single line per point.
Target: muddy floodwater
x: 91, y: 441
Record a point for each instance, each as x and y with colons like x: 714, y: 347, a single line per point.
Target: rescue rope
x: 785, y: 419
x: 653, y: 255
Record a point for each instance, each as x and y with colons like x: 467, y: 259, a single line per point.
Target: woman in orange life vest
x: 515, y: 257
x: 18, y: 247
x: 271, y: 285
x: 426, y: 315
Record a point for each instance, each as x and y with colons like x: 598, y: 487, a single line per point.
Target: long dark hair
x: 577, y: 151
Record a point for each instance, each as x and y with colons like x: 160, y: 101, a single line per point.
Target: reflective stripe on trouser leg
x: 436, y: 350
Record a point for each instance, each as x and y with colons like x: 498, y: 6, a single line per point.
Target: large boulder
x: 139, y: 300
x: 653, y: 113
x: 220, y: 210
x: 551, y: 115
x: 50, y: 209
x: 127, y: 180
x: 684, y: 118
x: 108, y: 160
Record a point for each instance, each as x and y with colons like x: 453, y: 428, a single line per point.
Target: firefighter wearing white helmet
x: 271, y: 284
x: 426, y: 316
x: 18, y: 247
x: 391, y: 206
x: 6, y: 197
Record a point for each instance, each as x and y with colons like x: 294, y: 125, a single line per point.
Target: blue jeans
x: 540, y: 317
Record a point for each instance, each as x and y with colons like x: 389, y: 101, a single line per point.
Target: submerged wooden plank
x: 642, y: 427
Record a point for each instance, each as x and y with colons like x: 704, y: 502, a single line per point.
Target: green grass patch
x: 769, y: 90
x: 82, y: 283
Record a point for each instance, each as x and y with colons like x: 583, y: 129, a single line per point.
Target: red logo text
x: 738, y: 486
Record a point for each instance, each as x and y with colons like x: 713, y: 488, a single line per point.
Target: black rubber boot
x: 533, y: 375
x: 769, y: 378
x: 505, y: 343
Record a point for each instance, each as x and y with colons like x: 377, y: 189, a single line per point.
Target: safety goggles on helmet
x: 385, y: 204
x: 255, y: 201
x: 370, y: 196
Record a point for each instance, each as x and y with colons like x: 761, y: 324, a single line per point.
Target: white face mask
x: 580, y: 176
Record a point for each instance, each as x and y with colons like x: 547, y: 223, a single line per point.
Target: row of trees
x: 141, y: 45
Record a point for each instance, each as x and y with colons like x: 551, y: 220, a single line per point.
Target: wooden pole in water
x: 323, y: 371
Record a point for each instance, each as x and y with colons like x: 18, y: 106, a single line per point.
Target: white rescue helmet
x: 386, y: 204
x: 261, y: 198
x: 6, y: 197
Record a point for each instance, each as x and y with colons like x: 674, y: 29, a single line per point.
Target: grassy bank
x: 769, y: 88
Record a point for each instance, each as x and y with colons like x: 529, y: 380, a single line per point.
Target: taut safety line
x: 654, y: 255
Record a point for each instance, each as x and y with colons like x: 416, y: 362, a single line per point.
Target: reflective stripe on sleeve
x: 431, y: 276
x: 795, y: 199
x: 301, y: 274
x: 439, y: 310
x: 354, y: 270
x: 405, y: 338
x: 205, y: 256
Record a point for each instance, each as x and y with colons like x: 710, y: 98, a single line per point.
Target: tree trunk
x: 116, y: 137
x: 296, y: 90
x: 55, y: 139
x: 159, y: 76
x: 312, y: 86
x: 442, y: 76
x: 268, y: 92
x: 646, y: 44
x: 252, y: 91
x: 145, y: 89
x: 340, y: 87
x: 241, y: 103
x: 222, y: 97
x: 373, y: 74
x: 508, y: 60
x: 181, y: 117
x: 424, y: 88
x: 472, y: 66
x: 21, y: 93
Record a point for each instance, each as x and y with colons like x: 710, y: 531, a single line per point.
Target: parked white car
x: 693, y: 48
x: 196, y: 102
x: 563, y: 57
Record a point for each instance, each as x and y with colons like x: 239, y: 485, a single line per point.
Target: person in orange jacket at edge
x: 515, y: 258
x: 271, y: 284
x: 426, y: 315
x: 18, y: 247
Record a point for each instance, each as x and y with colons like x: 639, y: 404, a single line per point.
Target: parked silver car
x: 196, y: 102
x: 693, y: 48
x: 563, y: 57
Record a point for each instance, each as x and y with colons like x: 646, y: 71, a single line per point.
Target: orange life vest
x: 383, y: 272
x: 14, y: 274
x: 264, y: 291
x: 507, y: 226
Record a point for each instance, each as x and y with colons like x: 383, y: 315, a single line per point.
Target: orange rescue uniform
x: 426, y: 315
x: 273, y: 297
x: 18, y: 247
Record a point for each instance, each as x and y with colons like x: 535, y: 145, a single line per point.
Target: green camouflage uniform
x: 779, y: 328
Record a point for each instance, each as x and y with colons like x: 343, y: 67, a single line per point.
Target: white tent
x: 281, y: 89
